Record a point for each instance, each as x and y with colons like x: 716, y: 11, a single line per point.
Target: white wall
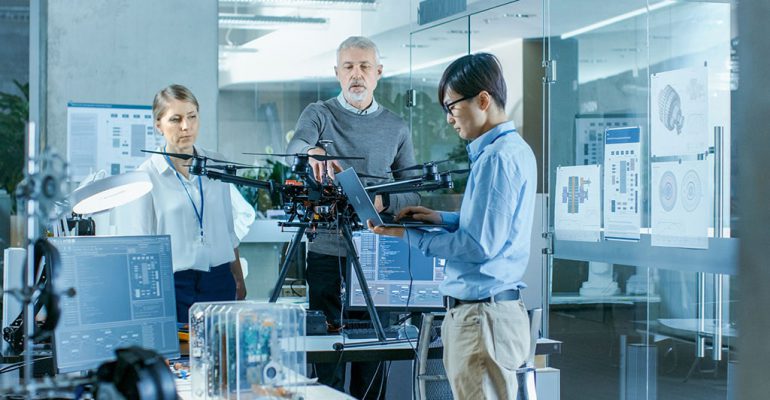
x: 124, y: 51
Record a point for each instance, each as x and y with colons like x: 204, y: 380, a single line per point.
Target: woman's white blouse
x: 167, y: 210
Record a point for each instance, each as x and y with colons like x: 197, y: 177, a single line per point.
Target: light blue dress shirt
x: 486, y: 244
x: 368, y: 110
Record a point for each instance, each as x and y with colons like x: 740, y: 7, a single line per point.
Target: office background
x: 255, y: 65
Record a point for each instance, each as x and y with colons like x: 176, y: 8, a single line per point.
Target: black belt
x: 510, y: 294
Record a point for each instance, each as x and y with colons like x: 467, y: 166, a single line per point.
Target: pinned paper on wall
x: 108, y: 137
x: 622, y: 180
x: 578, y: 203
x: 680, y: 202
x: 679, y: 112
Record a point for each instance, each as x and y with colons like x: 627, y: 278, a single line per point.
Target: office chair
x: 525, y: 375
x: 430, y: 378
x: 430, y: 381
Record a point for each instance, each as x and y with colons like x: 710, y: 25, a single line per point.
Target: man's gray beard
x: 357, y: 97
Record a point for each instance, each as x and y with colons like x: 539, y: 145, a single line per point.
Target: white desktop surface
x: 326, y: 343
x: 575, y: 298
x: 692, y: 325
x: 313, y: 392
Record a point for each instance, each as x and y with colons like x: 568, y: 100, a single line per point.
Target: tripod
x: 347, y: 237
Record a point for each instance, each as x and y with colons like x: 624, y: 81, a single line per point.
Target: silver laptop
x: 362, y: 203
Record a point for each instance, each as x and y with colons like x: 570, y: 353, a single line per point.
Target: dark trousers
x: 324, y: 291
x: 192, y: 286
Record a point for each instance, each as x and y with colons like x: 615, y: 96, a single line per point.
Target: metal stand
x: 347, y: 236
x: 292, y: 252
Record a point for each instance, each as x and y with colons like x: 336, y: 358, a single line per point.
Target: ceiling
x: 303, y: 48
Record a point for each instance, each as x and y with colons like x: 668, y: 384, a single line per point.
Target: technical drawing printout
x: 681, y: 202
x: 679, y: 112
x: 578, y: 203
x: 622, y: 197
x: 589, y: 134
x: 109, y: 137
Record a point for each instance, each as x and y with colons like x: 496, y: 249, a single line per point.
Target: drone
x: 431, y: 179
x: 313, y: 205
x: 308, y: 202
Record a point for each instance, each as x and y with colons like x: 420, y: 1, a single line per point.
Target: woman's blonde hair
x: 171, y: 92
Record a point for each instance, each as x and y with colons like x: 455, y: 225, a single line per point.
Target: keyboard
x: 391, y: 332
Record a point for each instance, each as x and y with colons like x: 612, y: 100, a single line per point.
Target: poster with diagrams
x: 679, y: 112
x: 109, y: 137
x: 578, y: 203
x: 680, y: 204
x: 622, y: 180
x: 589, y: 134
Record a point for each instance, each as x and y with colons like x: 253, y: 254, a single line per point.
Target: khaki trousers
x: 484, y: 344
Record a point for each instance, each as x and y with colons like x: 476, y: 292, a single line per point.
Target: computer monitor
x: 124, y: 296
x: 386, y: 263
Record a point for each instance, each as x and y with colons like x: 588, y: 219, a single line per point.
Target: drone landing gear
x: 347, y: 236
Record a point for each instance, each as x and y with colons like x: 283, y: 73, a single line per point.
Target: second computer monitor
x: 124, y: 296
x: 390, y: 265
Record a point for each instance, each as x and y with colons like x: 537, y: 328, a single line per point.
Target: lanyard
x: 198, y: 215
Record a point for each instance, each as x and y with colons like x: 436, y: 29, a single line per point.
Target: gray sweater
x: 381, y: 137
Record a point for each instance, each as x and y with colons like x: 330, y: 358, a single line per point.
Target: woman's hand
x: 240, y: 290
x: 240, y: 283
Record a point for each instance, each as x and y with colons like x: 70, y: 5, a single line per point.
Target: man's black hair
x: 469, y: 75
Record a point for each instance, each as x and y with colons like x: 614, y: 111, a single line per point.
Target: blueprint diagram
x: 578, y: 205
x: 622, y: 184
x: 680, y: 204
x: 679, y: 112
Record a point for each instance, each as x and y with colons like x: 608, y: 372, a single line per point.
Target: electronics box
x: 247, y: 350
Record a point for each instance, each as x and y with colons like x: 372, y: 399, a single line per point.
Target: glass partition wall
x: 652, y: 315
x: 638, y: 132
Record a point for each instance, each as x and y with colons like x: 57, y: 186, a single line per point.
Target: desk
x: 574, y: 298
x: 320, y: 349
x: 691, y: 325
x: 312, y: 392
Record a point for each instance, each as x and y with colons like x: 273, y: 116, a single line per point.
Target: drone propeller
x: 234, y: 166
x: 189, y: 156
x: 176, y: 155
x: 420, y: 166
x: 319, y: 157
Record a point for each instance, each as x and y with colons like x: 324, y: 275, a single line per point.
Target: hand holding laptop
x: 420, y: 213
x: 414, y: 214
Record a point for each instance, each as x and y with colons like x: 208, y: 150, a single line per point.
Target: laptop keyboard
x: 391, y: 332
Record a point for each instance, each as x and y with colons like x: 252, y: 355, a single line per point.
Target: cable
x: 384, y: 380
x: 372, y: 381
x: 20, y: 364
x: 411, y: 282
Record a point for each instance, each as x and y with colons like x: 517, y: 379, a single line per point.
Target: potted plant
x: 261, y: 199
x: 14, y: 112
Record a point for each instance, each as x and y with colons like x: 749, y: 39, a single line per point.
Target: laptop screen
x: 358, y: 197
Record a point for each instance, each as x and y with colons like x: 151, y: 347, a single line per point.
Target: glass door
x: 637, y: 124
x: 432, y: 49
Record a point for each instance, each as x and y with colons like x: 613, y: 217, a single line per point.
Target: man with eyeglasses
x: 486, y: 329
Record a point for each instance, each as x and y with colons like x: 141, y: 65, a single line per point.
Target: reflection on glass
x: 643, y: 341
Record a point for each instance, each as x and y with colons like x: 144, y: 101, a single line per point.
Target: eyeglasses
x: 447, y: 107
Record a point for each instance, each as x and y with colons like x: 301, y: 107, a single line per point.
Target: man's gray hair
x: 359, y: 42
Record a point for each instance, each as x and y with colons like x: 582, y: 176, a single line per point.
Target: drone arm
x: 408, y: 185
x: 240, y: 181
